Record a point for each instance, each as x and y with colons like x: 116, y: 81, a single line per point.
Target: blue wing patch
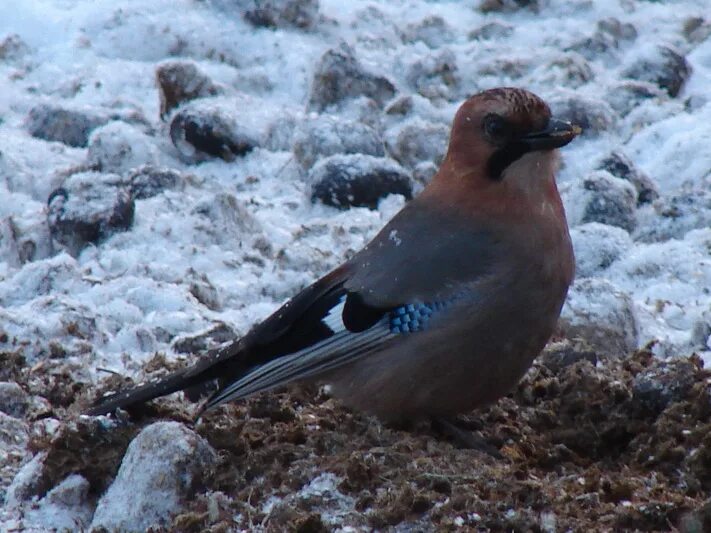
x: 413, y: 317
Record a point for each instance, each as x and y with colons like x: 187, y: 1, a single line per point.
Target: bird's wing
x: 407, y: 274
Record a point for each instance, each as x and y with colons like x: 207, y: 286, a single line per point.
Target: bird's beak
x: 558, y: 133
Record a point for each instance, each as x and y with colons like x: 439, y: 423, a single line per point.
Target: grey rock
x: 610, y: 201
x: 182, y: 81
x: 13, y: 48
x: 432, y: 30
x: 13, y: 400
x: 328, y: 135
x: 118, y: 147
x: 66, y: 125
x: 601, y: 314
x: 147, y: 181
x: 593, y: 115
x: 559, y: 355
x: 67, y: 507
x: 663, y: 383
x: 625, y: 96
x: 696, y: 29
x: 435, y: 75
x: 508, y: 6
x: 417, y: 141
x: 164, y: 465
x: 300, y: 14
x: 205, y: 340
x: 345, y: 181
x: 675, y: 215
x: 339, y: 76
x: 491, y: 30
x: 89, y: 208
x: 665, y: 66
x: 620, y: 166
x: 200, y: 132
x: 597, y: 246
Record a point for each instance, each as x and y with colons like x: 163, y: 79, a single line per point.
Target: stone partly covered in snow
x: 674, y: 216
x: 508, y: 6
x: 67, y: 507
x: 608, y: 37
x: 89, y: 208
x: 13, y: 400
x: 223, y: 219
x: 417, y: 141
x: 165, y: 464
x: 602, y: 315
x: 204, y: 129
x: 149, y: 180
x: 328, y: 135
x: 25, y: 238
x: 13, y: 48
x: 182, y: 81
x: 345, y: 181
x: 339, y: 76
x: 620, y: 166
x: 624, y: 96
x: 664, y: 66
x: 300, y: 14
x: 670, y: 381
x: 592, y: 115
x: 119, y: 147
x: 434, y: 76
x: 597, y: 246
x: 603, y: 198
x: 432, y: 30
x: 70, y: 126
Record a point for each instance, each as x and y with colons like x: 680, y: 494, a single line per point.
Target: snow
x: 249, y: 228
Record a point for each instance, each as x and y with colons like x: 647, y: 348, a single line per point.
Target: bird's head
x: 500, y: 129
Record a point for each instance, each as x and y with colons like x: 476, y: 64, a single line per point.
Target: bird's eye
x: 495, y: 126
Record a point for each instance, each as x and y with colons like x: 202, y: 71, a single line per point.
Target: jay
x: 446, y: 308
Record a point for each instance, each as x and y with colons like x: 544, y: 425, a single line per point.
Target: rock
x: 592, y: 115
x: 491, y: 30
x: 663, y: 383
x: 14, y: 436
x: 559, y: 355
x: 201, y: 130
x: 569, y: 70
x: 675, y: 215
x: 204, y: 291
x: 182, y: 81
x: 205, y: 340
x: 603, y: 198
x: 625, y: 96
x: 119, y: 147
x: 345, y: 181
x: 417, y: 141
x: 597, y: 246
x: 664, y: 66
x: 401, y: 106
x: 340, y: 76
x: 67, y: 507
x: 89, y: 208
x: 13, y: 48
x: 223, y: 219
x: 13, y: 400
x: 25, y: 237
x: 300, y: 14
x: 601, y: 314
x: 435, y: 75
x: 696, y: 29
x: 620, y: 166
x: 72, y: 127
x: 508, y: 6
x: 147, y: 181
x: 424, y: 172
x: 165, y: 464
x: 328, y: 135
x: 606, y: 39
x: 432, y: 30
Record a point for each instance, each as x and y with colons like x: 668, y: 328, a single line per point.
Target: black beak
x: 558, y: 133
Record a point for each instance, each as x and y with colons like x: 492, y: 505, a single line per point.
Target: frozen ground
x: 228, y: 240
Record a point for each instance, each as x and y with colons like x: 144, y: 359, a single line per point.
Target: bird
x: 445, y: 309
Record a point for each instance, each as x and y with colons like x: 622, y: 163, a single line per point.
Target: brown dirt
x: 621, y: 445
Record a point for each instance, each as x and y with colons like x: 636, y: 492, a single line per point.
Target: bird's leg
x: 451, y: 427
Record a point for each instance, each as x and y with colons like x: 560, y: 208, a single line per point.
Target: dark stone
x: 147, y: 181
x: 345, y: 181
x: 13, y: 400
x: 198, y: 132
x: 609, y: 202
x: 182, y: 81
x: 69, y: 126
x: 207, y: 340
x: 340, y: 76
x: 492, y: 30
x: 300, y: 14
x: 560, y: 355
x: 668, y: 69
x: 508, y: 6
x: 620, y: 166
x: 592, y: 115
x: 89, y: 208
x: 663, y: 383
x: 13, y: 48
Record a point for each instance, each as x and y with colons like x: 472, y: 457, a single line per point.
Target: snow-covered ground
x: 231, y: 239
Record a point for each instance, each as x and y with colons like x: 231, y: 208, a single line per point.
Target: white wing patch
x: 334, y: 318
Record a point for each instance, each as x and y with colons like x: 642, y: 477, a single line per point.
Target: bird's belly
x: 444, y: 372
